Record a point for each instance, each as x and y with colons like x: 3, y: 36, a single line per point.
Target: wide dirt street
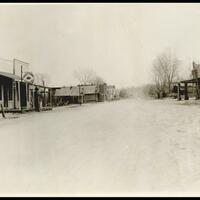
x: 122, y: 148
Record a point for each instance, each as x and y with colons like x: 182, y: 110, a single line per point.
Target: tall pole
x: 21, y: 86
x: 14, y: 85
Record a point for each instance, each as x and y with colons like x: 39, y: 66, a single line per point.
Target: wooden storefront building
x: 18, y: 95
x: 190, y: 87
x: 76, y: 94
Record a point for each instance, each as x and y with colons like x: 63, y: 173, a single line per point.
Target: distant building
x: 102, y: 92
x: 190, y: 87
x: 76, y: 94
x: 110, y: 92
x: 90, y: 93
x: 67, y: 95
x: 196, y: 70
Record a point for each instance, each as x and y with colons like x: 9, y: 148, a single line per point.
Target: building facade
x: 76, y: 94
x: 19, y: 95
x: 110, y: 93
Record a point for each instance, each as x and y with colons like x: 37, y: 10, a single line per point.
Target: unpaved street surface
x: 123, y: 148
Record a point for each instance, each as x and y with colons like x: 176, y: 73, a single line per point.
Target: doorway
x: 23, y: 96
x: 5, y: 96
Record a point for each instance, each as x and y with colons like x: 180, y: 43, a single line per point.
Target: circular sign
x: 28, y: 77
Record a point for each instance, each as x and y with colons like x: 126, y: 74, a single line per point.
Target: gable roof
x: 89, y: 89
x: 74, y: 90
x: 67, y: 91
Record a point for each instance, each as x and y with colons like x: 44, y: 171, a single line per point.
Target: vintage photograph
x: 99, y: 99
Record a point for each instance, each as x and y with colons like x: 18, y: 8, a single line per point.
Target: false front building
x: 76, y: 94
x: 17, y: 94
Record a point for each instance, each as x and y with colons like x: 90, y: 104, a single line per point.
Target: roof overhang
x: 10, y: 76
x: 190, y: 81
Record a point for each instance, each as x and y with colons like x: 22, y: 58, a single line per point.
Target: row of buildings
x: 18, y: 94
x: 84, y: 94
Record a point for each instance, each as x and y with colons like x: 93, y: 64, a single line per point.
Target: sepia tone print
x: 99, y: 99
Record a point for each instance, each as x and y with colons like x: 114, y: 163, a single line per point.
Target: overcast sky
x: 118, y: 41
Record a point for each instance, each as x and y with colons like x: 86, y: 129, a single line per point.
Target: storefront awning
x: 11, y: 76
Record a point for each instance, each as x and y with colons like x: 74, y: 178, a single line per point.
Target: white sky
x: 119, y: 41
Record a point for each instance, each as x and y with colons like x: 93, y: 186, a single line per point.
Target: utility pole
x: 21, y: 85
x: 14, y: 84
x: 19, y: 61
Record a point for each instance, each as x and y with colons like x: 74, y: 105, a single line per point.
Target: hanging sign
x: 28, y: 77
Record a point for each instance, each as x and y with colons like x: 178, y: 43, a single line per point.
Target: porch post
x: 197, y: 89
x: 186, y: 92
x: 14, y: 93
x: 19, y: 93
x: 27, y: 96
x: 51, y: 97
x: 44, y: 97
x: 2, y: 92
x: 179, y: 92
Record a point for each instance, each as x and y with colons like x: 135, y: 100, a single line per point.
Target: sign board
x: 28, y: 77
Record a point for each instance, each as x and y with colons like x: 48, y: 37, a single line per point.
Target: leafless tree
x: 41, y: 79
x: 165, y: 71
x: 88, y: 76
x: 186, y: 72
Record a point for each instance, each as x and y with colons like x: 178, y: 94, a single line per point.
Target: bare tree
x: 186, y: 72
x: 123, y: 93
x: 88, y: 76
x: 165, y: 71
x: 41, y: 79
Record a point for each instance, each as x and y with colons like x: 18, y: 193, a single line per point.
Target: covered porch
x: 187, y: 88
x: 10, y: 87
x: 17, y: 95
